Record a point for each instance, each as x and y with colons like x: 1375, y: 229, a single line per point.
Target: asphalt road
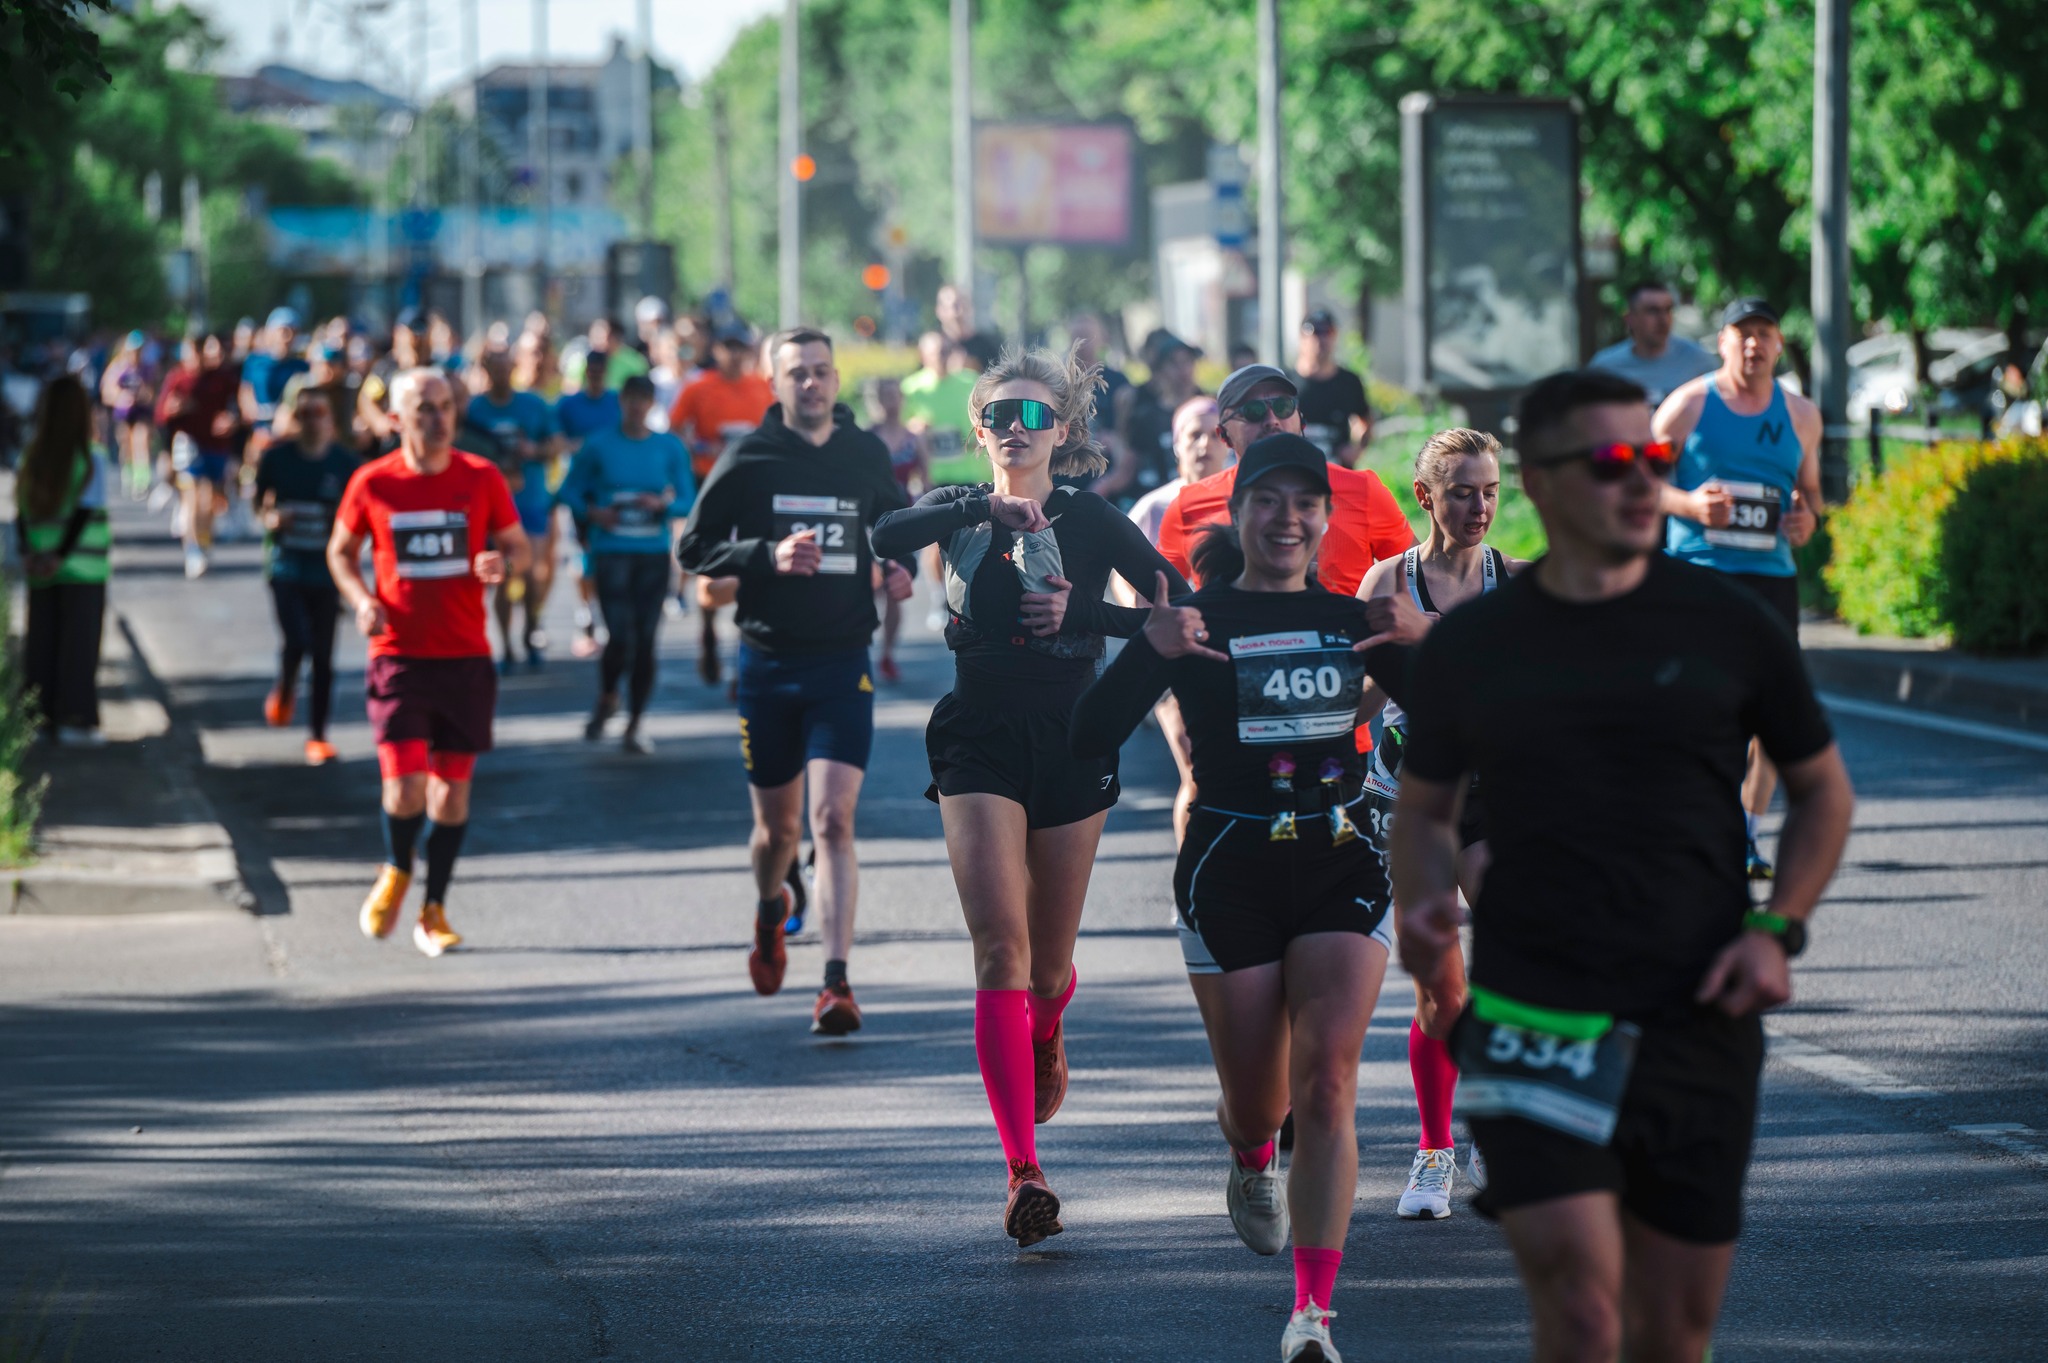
x: 225, y: 1136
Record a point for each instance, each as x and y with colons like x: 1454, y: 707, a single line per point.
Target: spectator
x: 61, y: 523
x: 1334, y: 412
x: 1651, y: 356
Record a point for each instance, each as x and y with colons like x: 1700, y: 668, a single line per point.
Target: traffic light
x: 803, y: 168
x: 876, y: 277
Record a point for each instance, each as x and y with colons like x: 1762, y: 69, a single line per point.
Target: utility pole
x: 721, y: 217
x: 1831, y: 242
x: 419, y: 103
x: 643, y: 121
x: 1270, y: 219
x: 540, y: 153
x: 963, y: 145
x: 472, y: 177
x: 790, y: 306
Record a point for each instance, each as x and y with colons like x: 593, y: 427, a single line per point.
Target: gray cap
x: 1242, y: 381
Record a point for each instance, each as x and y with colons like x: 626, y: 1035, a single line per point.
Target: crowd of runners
x: 1387, y: 743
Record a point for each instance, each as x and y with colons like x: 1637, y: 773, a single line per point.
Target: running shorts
x: 1781, y: 594
x: 447, y: 703
x: 205, y: 466
x: 1243, y: 897
x: 1019, y: 754
x: 797, y: 707
x: 1385, y: 763
x: 1681, y: 1144
x: 536, y: 509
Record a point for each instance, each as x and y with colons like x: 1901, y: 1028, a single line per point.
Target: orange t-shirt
x: 715, y: 408
x: 1366, y: 525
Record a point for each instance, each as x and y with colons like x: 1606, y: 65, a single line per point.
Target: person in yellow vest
x: 60, y: 492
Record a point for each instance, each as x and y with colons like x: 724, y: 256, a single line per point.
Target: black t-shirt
x: 310, y: 490
x: 1292, y: 688
x: 1148, y: 432
x: 1327, y: 406
x: 1610, y: 738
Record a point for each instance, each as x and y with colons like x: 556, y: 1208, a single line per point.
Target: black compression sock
x: 769, y: 912
x: 444, y: 843
x: 835, y: 975
x: 401, y: 833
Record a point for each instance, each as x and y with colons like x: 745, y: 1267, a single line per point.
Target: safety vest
x: 86, y: 564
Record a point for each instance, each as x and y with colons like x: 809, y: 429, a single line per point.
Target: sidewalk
x: 1925, y: 674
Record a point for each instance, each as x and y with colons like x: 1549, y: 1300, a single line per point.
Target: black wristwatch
x: 1790, y: 932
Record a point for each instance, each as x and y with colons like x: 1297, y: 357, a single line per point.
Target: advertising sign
x: 1065, y: 184
x: 1491, y: 240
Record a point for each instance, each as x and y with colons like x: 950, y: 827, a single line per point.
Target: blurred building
x: 348, y: 121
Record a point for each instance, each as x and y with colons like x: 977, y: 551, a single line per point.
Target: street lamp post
x: 1831, y: 242
x: 1270, y: 218
x: 963, y: 144
x: 790, y: 223
x: 540, y: 153
x: 472, y: 178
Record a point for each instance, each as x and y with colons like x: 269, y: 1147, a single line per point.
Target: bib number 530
x: 1303, y: 683
x: 1541, y: 1051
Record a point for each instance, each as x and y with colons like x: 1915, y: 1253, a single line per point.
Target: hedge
x: 1948, y: 540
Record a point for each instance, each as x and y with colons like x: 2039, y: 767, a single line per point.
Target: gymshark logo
x: 1770, y: 432
x: 1106, y: 780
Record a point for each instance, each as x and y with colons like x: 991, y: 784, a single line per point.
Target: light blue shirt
x: 1681, y: 362
x: 612, y: 469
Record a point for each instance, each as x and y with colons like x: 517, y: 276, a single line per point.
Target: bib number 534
x: 1541, y: 1051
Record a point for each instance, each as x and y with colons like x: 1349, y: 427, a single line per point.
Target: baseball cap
x: 1322, y: 319
x: 412, y: 319
x: 1161, y: 343
x: 734, y: 333
x: 1743, y: 309
x: 650, y: 309
x: 1242, y: 381
x: 282, y: 317
x: 1284, y: 450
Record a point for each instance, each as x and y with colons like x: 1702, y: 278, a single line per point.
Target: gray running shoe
x: 1258, y: 1205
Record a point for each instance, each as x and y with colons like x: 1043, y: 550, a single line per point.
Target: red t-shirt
x: 1366, y: 525
x: 425, y: 533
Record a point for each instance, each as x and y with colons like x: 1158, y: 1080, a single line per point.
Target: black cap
x: 1242, y: 381
x: 411, y: 318
x: 733, y: 333
x: 1322, y: 319
x: 1743, y: 309
x: 1161, y: 343
x: 1284, y: 450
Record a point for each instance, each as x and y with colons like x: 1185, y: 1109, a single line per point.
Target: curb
x: 1928, y: 683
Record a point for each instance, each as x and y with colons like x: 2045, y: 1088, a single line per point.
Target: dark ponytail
x: 1218, y: 555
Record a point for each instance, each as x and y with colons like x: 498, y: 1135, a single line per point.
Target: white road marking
x: 2011, y: 1137
x: 1866, y: 1079
x: 1943, y: 724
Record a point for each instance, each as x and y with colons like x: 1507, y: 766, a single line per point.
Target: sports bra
x: 1493, y: 567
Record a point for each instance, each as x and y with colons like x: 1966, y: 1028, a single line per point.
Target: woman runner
x: 1457, y: 482
x: 1025, y: 569
x: 1283, y: 904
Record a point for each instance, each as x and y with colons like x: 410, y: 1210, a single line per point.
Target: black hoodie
x: 767, y: 488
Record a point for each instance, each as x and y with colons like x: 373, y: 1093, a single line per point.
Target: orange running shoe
x: 278, y: 707
x: 769, y: 958
x: 431, y: 934
x: 319, y: 752
x: 1033, y: 1211
x: 835, y: 1013
x: 1050, y: 1088
x: 387, y: 896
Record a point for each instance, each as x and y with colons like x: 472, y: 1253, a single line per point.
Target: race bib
x: 1566, y: 1071
x: 431, y: 543
x: 1323, y: 438
x: 834, y: 520
x: 1753, y: 522
x: 1301, y: 684
x: 308, y: 528
x: 634, y: 516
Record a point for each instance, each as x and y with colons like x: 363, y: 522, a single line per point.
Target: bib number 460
x: 1541, y: 1051
x: 1303, y: 683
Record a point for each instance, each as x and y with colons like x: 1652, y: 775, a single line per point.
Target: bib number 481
x: 430, y: 544
x: 1303, y: 683
x: 1541, y: 1051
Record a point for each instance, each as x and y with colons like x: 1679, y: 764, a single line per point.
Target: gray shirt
x: 1681, y: 362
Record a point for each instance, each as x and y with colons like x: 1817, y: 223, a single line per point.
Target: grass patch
x: 21, y: 799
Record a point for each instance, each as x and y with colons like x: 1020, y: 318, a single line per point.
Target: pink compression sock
x: 1315, y: 1276
x: 1261, y: 1158
x: 1436, y: 1084
x: 1002, y: 1047
x: 1045, y: 1013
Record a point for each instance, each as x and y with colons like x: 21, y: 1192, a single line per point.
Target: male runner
x: 718, y: 406
x: 441, y: 526
x: 788, y: 511
x: 1334, y: 411
x: 528, y: 441
x: 1145, y: 423
x: 1652, y: 356
x: 1746, y: 492
x: 266, y: 373
x: 1609, y: 1059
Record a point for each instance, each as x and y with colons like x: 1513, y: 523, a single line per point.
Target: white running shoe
x: 1475, y: 1169
x: 1307, y: 1339
x: 1428, y: 1195
x: 1258, y: 1205
x: 195, y: 561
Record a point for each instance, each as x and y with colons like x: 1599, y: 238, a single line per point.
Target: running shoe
x: 1759, y: 869
x: 890, y: 672
x: 1050, y: 1086
x: 799, y: 896
x: 1428, y: 1194
x: 769, y: 958
x: 636, y: 743
x: 161, y: 496
x: 431, y: 934
x: 319, y: 752
x: 1307, y: 1338
x: 1033, y: 1211
x: 387, y: 896
x: 835, y: 1013
x: 278, y: 708
x: 536, y: 649
x: 593, y: 729
x: 195, y: 562
x: 79, y: 736
x: 1258, y: 1205
x: 585, y: 645
x: 1475, y: 1170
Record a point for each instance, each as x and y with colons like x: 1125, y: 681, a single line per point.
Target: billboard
x: 1064, y: 184
x: 1490, y: 236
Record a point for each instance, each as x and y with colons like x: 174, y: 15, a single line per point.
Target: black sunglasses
x: 1610, y: 462
x: 1255, y: 409
x: 1004, y: 413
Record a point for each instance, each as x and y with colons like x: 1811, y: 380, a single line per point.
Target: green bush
x: 1994, y: 561
x: 21, y: 798
x: 1888, y: 565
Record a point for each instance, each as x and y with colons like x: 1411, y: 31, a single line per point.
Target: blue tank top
x: 1757, y: 459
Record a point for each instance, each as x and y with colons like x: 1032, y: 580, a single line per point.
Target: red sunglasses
x: 1610, y: 462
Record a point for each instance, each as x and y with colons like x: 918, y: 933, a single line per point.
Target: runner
x: 441, y: 527
x: 1283, y: 906
x: 408, y: 350
x: 935, y: 405
x: 1145, y: 426
x: 720, y: 406
x: 912, y: 469
x: 126, y: 390
x: 298, y: 488
x: 1026, y: 565
x: 1747, y: 489
x: 1652, y: 356
x: 627, y: 485
x: 196, y: 411
x: 528, y: 441
x: 1457, y: 484
x: 787, y: 511
x: 1611, y: 1052
x: 1335, y: 414
x: 265, y: 375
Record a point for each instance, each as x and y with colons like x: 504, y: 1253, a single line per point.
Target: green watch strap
x: 1761, y: 920
x: 1488, y: 1006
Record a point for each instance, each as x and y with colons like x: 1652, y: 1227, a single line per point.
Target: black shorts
x: 1781, y: 594
x: 1384, y: 772
x: 446, y: 703
x: 1243, y: 897
x: 1020, y: 755
x: 796, y: 707
x: 1680, y: 1148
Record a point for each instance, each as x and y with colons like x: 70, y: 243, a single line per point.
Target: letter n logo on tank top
x: 1770, y: 432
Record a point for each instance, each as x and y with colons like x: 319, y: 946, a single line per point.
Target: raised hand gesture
x: 1021, y: 514
x: 1177, y: 631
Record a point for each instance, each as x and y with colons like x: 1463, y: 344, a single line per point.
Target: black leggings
x: 306, y: 615
x: 60, y: 652
x: 630, y: 591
